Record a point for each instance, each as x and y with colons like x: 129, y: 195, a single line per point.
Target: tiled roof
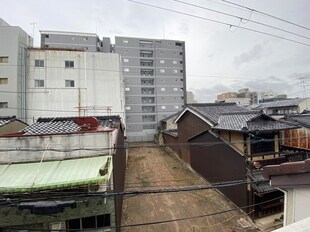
x: 212, y: 111
x: 261, y: 187
x: 172, y: 132
x: 71, y: 125
x: 4, y: 120
x: 288, y: 168
x: 250, y: 121
x: 53, y: 127
x: 299, y: 119
x: 282, y: 103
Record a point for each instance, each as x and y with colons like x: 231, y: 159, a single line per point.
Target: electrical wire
x: 162, y: 221
x: 266, y: 14
x: 241, y: 18
x: 219, y: 22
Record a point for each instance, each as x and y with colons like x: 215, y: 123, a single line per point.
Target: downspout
x: 285, y: 205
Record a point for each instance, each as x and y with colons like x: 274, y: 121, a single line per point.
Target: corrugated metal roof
x: 27, y: 177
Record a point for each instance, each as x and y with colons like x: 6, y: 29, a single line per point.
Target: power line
x: 164, y: 221
x: 220, y: 22
x: 241, y: 18
x: 266, y: 14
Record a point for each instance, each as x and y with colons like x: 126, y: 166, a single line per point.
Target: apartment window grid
x: 4, y: 105
x: 4, y: 59
x: 69, y: 64
x: 69, y: 83
x: 39, y: 83
x: 39, y: 63
x: 4, y: 81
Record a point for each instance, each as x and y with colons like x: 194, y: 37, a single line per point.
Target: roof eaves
x: 195, y: 112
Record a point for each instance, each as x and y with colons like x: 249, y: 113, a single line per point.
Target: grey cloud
x: 254, y: 54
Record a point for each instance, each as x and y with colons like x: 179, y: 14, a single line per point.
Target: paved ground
x: 153, y: 168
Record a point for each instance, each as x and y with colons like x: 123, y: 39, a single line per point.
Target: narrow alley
x: 151, y: 167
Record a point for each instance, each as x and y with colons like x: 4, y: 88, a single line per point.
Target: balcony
x: 147, y: 63
x: 148, y: 118
x: 146, y: 53
x: 148, y: 100
x: 147, y: 72
x: 147, y: 91
x: 147, y: 81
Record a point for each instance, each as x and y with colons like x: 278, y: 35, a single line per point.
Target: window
x: 125, y: 41
x: 69, y: 64
x: 47, y: 36
x: 125, y: 50
x: 181, y: 71
x: 178, y: 44
x: 181, y: 53
x: 4, y: 59
x: 181, y: 62
x: 4, y: 81
x: 69, y: 83
x: 161, y: 61
x: 162, y: 70
x: 174, y: 62
x: 127, y: 107
x: 176, y: 107
x: 163, y: 89
x: 126, y: 60
x: 72, y: 37
x: 93, y: 222
x: 175, y: 71
x: 85, y: 38
x: 39, y: 83
x: 175, y: 89
x: 163, y: 107
x: 126, y: 69
x: 38, y: 63
x: 127, y: 89
x: 3, y: 105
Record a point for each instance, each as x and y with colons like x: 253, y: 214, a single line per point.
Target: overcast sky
x: 219, y: 58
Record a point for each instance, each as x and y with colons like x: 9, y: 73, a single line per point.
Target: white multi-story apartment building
x: 13, y: 50
x: 62, y: 82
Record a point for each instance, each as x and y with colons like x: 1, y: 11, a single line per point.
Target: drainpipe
x: 285, y: 206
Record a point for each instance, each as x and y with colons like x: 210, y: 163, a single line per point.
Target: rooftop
x: 261, y: 187
x: 250, y: 121
x: 299, y: 119
x: 67, y: 125
x: 68, y: 33
x: 282, y: 103
x: 6, y: 119
x: 211, y: 111
x: 38, y: 176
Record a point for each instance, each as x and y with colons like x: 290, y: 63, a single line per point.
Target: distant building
x: 13, y: 51
x: 73, y: 83
x: 278, y: 109
x: 89, y: 42
x: 270, y: 96
x: 223, y: 96
x: 246, y: 93
x: 190, y: 97
x: 155, y: 82
x: 239, y: 101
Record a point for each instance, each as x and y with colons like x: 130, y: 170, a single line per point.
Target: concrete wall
x: 98, y: 84
x: 85, y: 41
x: 164, y: 88
x: 60, y: 143
x: 13, y: 44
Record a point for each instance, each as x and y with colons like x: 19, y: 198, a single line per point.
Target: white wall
x: 97, y: 78
x: 55, y: 144
x: 13, y: 43
x: 298, y: 204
